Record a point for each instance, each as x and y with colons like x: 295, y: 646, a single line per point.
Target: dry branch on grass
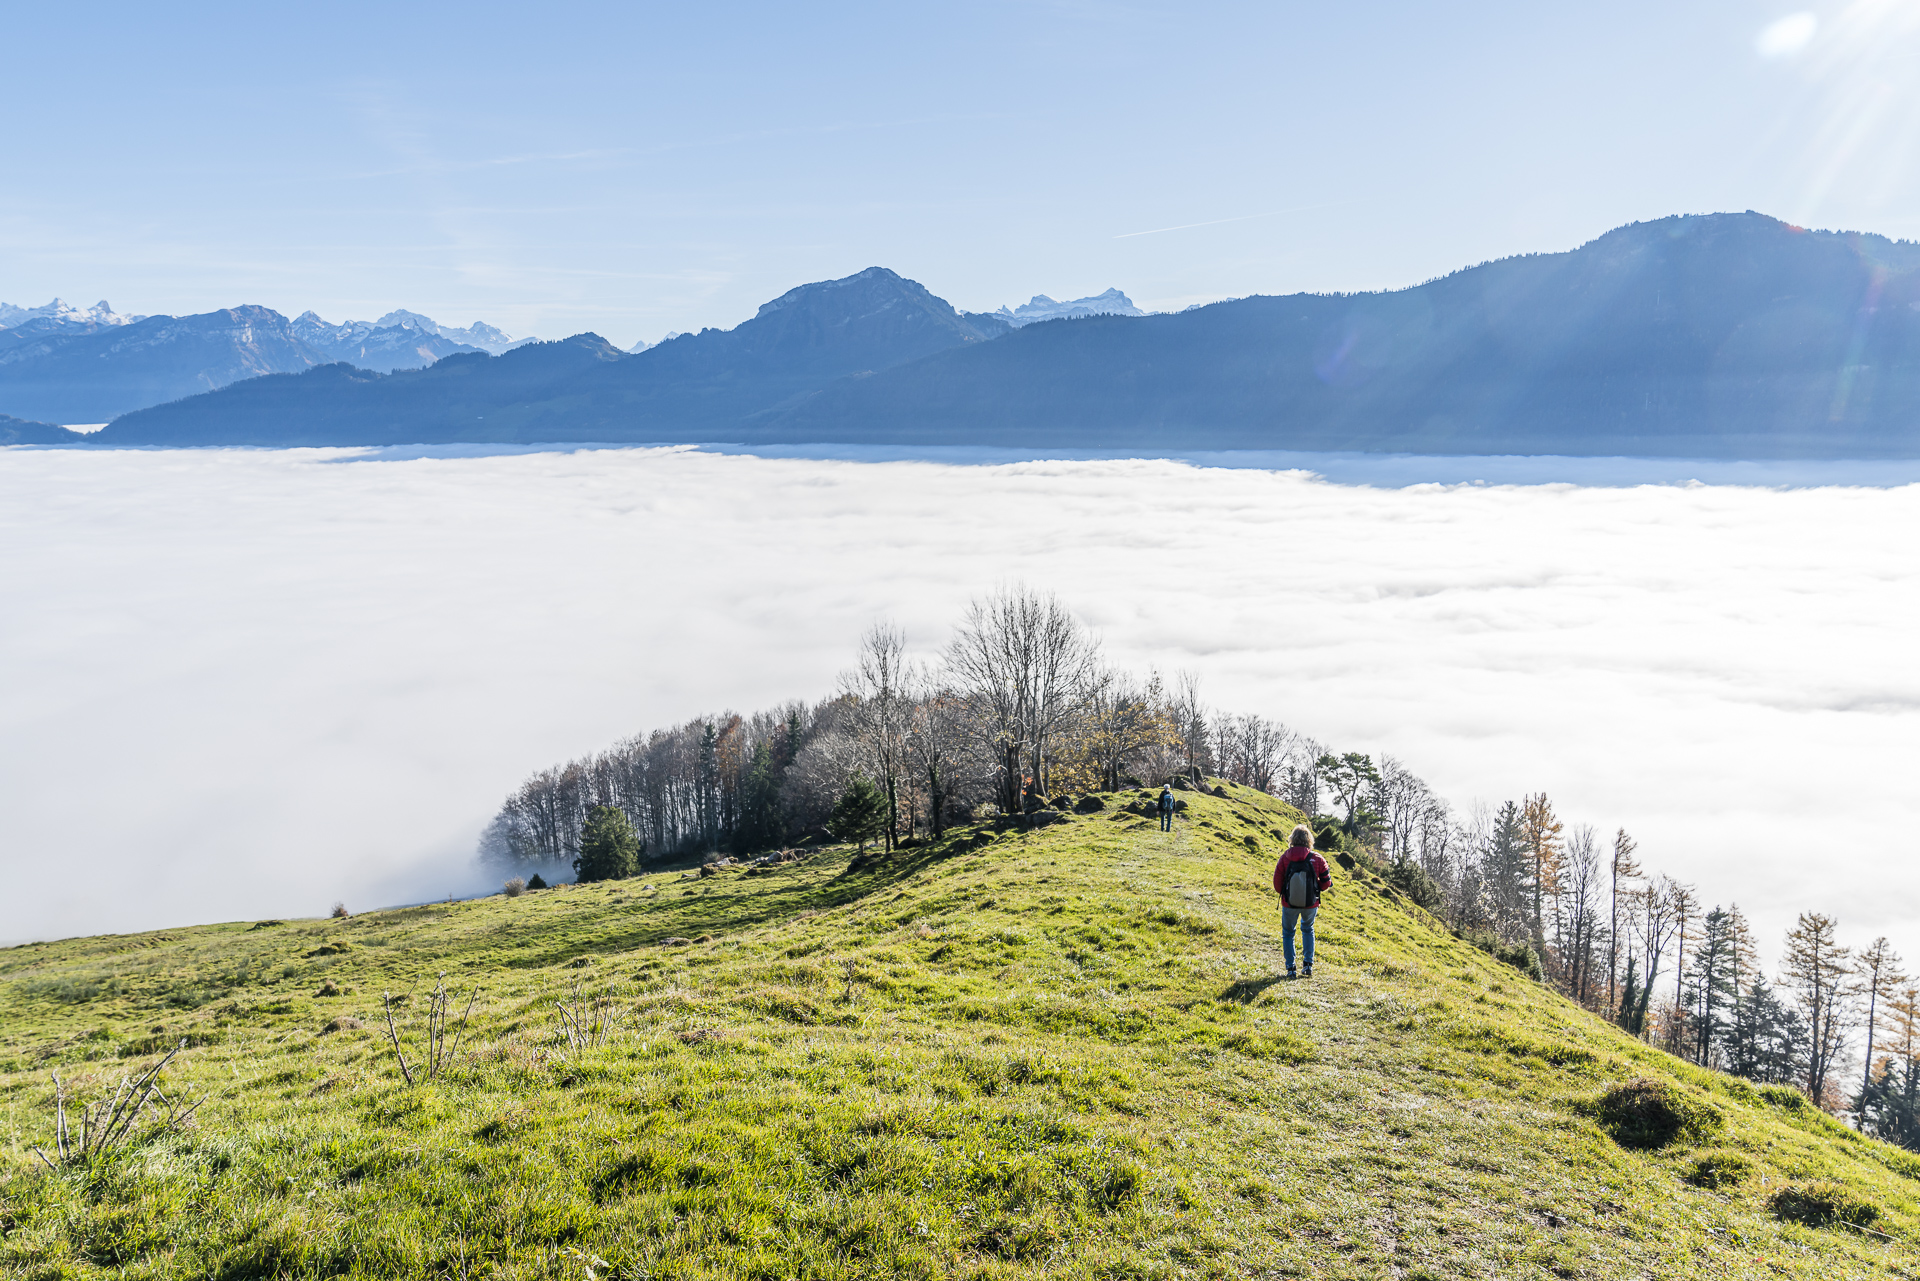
x: 588, y: 1022
x: 437, y: 1054
x: 110, y: 1125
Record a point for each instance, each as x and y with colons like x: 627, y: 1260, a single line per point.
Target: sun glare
x: 1786, y: 36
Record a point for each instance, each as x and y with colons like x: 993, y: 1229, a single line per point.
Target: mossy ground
x: 1061, y: 1052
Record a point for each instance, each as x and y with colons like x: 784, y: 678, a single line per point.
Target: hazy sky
x: 249, y: 682
x: 636, y: 168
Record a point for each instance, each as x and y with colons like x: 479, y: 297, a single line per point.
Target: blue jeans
x: 1166, y: 820
x: 1304, y: 915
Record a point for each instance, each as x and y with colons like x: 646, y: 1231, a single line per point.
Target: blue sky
x: 637, y: 168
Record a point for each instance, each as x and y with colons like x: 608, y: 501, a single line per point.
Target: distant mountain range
x: 1110, y: 303
x: 69, y: 365
x: 1724, y: 335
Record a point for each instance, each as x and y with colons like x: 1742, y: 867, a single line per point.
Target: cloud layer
x: 247, y: 683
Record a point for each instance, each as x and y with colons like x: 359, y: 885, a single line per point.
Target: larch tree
x: 1817, y: 969
x: 1879, y: 973
x: 1541, y: 830
x: 1622, y: 869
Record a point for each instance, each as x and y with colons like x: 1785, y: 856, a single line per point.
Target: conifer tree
x: 609, y: 850
x: 861, y: 813
x: 1541, y: 830
x: 1817, y: 968
x: 1624, y: 868
x: 1879, y: 971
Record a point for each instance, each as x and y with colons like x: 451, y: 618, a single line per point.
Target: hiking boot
x: 1292, y: 975
x: 1309, y: 971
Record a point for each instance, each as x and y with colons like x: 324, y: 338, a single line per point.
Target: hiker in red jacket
x: 1298, y: 878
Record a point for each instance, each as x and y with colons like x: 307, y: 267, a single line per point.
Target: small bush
x: 340, y: 912
x: 1412, y: 880
x: 515, y: 886
x: 344, y: 1023
x: 1788, y: 1098
x: 1520, y: 956
x: 1820, y: 1204
x: 538, y: 882
x: 330, y: 988
x: 1646, y: 1113
x: 1718, y: 1168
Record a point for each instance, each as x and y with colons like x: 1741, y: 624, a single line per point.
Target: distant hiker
x: 1166, y: 809
x: 1298, y: 878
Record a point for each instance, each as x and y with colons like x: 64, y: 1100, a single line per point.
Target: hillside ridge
x: 1016, y: 1051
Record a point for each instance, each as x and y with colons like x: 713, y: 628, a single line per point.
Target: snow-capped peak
x: 64, y: 313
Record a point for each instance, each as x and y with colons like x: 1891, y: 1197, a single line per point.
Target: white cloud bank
x: 246, y: 683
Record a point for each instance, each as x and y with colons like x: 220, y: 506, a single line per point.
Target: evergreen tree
x: 1766, y: 1041
x: 1713, y: 983
x: 1353, y: 779
x: 760, y: 802
x: 710, y: 786
x: 609, y: 851
x: 1507, y: 867
x: 860, y: 815
x: 1889, y: 1106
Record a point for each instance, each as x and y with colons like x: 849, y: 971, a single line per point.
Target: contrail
x: 1272, y: 213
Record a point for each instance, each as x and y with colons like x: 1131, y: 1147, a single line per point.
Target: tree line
x: 1022, y: 707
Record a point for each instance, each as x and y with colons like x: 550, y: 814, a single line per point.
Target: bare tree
x: 1191, y: 715
x: 1580, y: 920
x: 1027, y: 666
x: 936, y: 742
x: 879, y: 712
x: 1402, y: 799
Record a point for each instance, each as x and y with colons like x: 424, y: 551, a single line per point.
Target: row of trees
x: 1022, y: 707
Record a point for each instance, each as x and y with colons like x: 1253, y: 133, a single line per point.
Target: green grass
x: 1066, y: 1052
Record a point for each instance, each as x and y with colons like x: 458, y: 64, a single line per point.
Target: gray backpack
x: 1301, y: 883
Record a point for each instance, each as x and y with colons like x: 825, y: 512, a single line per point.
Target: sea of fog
x: 247, y: 683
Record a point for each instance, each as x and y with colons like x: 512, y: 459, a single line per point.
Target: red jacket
x: 1282, y: 870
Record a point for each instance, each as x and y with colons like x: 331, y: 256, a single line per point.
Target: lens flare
x: 1786, y: 36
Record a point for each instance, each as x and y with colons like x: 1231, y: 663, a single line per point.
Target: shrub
x: 1647, y: 1113
x: 340, y: 912
x: 1412, y: 880
x: 538, y: 882
x: 515, y: 886
x: 344, y: 1023
x: 1520, y: 955
x: 1819, y: 1204
x: 1788, y: 1098
x: 1718, y: 1168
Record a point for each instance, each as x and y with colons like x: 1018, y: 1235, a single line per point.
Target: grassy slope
x: 1065, y: 1052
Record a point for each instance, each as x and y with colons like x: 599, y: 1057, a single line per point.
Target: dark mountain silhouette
x: 340, y: 404
x: 16, y: 431
x: 1725, y: 335
x: 688, y: 388
x: 90, y: 374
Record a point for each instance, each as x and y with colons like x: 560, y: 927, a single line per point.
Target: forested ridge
x: 1021, y: 713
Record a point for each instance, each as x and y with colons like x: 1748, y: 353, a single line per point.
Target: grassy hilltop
x: 1059, y: 1052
